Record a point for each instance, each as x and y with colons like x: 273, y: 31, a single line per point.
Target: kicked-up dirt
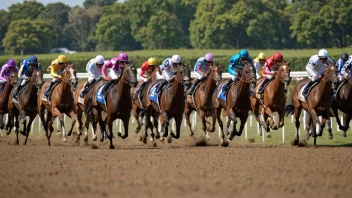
x: 180, y: 170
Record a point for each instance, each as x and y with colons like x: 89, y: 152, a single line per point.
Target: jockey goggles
x: 322, y: 58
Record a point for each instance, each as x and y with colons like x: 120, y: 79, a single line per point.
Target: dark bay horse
x: 274, y: 100
x: 4, y: 98
x: 61, y: 102
x: 27, y: 105
x: 237, y: 104
x: 202, y: 98
x: 318, y: 103
x: 172, y: 104
x: 118, y: 102
x: 87, y: 109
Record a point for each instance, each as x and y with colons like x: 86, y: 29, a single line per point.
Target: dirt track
x: 135, y: 170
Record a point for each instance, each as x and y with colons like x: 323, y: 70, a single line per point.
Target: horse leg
x: 109, y: 122
x: 232, y: 116
x: 24, y: 122
x: 243, y: 122
x: 204, y: 123
x: 263, y: 119
x: 330, y: 137
x: 94, y: 125
x: 281, y: 118
x: 187, y: 116
x: 102, y: 124
x: 125, y: 121
x: 165, y: 133
x: 10, y: 123
x: 308, y: 125
x: 348, y: 118
x: 136, y: 115
x: 1, y: 122
x: 273, y: 123
x: 213, y: 119
x: 80, y: 124
x: 228, y: 132
x: 41, y: 113
x: 178, y: 121
x: 162, y: 127
x: 267, y: 129
x: 223, y: 141
x: 323, y: 121
x: 50, y: 121
x: 30, y: 121
x: 56, y: 113
x: 156, y: 125
x: 73, y: 116
x: 335, y: 111
x: 297, y: 114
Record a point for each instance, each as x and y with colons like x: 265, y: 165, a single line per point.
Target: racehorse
x: 27, y: 105
x: 202, y: 100
x: 61, y: 102
x: 318, y: 103
x: 87, y: 109
x: 10, y: 83
x: 274, y: 100
x: 118, y: 102
x: 237, y: 103
x: 172, y: 104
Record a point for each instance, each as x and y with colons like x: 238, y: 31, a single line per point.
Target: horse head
x: 216, y: 73
x: 284, y: 73
x: 130, y: 74
x: 248, y: 74
x: 186, y: 74
x: 69, y: 75
x: 37, y: 78
x: 331, y: 74
x: 13, y: 78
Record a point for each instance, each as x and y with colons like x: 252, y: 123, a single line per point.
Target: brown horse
x: 87, y: 109
x: 237, y: 103
x: 318, y: 103
x: 202, y: 101
x: 118, y: 102
x: 172, y: 104
x: 10, y: 83
x: 344, y: 97
x: 61, y: 102
x: 27, y: 105
x: 274, y: 100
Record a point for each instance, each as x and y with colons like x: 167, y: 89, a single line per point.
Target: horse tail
x: 289, y: 109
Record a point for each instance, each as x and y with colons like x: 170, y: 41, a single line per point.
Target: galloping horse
x: 118, y: 102
x: 61, y: 102
x: 10, y: 83
x: 202, y: 100
x: 87, y: 109
x: 172, y: 104
x: 274, y: 99
x: 27, y: 105
x: 237, y: 103
x: 318, y: 103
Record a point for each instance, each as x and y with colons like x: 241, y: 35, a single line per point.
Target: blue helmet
x: 25, y: 63
x: 244, y: 54
x: 33, y: 60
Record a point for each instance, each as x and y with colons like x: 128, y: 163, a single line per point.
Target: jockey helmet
x: 344, y: 56
x: 278, y: 56
x: 244, y: 54
x: 323, y: 53
x: 176, y: 59
x: 152, y: 61
x: 208, y: 57
x: 11, y: 63
x: 33, y: 60
x: 99, y: 60
x: 261, y: 56
x: 122, y: 57
x: 62, y: 59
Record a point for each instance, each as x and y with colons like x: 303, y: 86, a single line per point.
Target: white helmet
x: 99, y: 59
x: 176, y: 59
x: 323, y: 53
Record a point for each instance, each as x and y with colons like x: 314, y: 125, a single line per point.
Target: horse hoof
x: 191, y: 134
x: 94, y: 138
x: 119, y: 134
x: 268, y: 136
x: 101, y: 139
x: 157, y: 136
x: 344, y: 134
x: 169, y: 140
x: 23, y: 133
x: 64, y: 139
x: 85, y: 138
x: 224, y: 143
x: 69, y: 133
x: 162, y: 138
x: 145, y: 140
x: 330, y: 137
x: 295, y: 142
x: 112, y: 147
x: 151, y: 139
x: 8, y: 133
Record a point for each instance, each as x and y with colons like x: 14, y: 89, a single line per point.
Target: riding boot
x: 261, y: 88
x: 86, y: 88
x: 107, y: 86
x: 139, y: 89
x: 47, y: 91
x: 226, y: 86
x: 161, y: 86
x: 15, y: 94
x: 305, y: 91
x: 191, y: 90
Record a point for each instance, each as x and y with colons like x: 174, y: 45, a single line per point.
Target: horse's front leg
x: 165, y: 125
x: 187, y: 113
x: 125, y: 121
x: 213, y: 122
x: 1, y: 121
x: 348, y: 118
x: 24, y: 122
x: 110, y: 121
x: 178, y: 122
x: 223, y: 141
x: 30, y: 121
x: 281, y: 117
x: 137, y: 116
x: 243, y: 122
x: 80, y: 124
x: 232, y: 116
x: 308, y: 125
x: 297, y: 114
x: 56, y: 113
x: 73, y: 116
x: 204, y: 123
x: 102, y: 125
x: 273, y: 122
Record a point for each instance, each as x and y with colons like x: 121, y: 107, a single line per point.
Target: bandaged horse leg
x: 162, y: 124
x: 272, y: 121
x: 94, y: 125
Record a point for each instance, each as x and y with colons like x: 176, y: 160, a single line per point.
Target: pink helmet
x: 122, y: 57
x: 208, y: 57
x: 11, y: 63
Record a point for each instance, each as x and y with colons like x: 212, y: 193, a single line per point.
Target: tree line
x: 31, y: 27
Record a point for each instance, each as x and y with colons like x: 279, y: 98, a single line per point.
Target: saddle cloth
x: 223, y: 93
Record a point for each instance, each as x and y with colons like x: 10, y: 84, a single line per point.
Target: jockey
x: 315, y: 68
x: 236, y: 66
x: 271, y: 66
x: 147, y: 69
x: 6, y: 69
x: 93, y: 69
x: 201, y: 68
x: 341, y: 66
x: 55, y: 69
x: 259, y: 63
x: 25, y: 72
x: 117, y: 64
x: 168, y: 69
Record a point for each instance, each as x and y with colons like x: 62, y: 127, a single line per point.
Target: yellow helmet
x: 261, y: 56
x: 151, y: 61
x: 62, y: 59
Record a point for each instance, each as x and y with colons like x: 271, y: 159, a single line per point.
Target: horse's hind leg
x: 308, y: 125
x: 156, y: 125
x: 136, y: 115
x: 80, y: 123
x: 1, y: 121
x: 110, y: 122
x: 178, y: 121
x: 41, y: 113
x: 330, y: 129
x: 204, y: 123
x: 94, y: 125
x: 297, y: 113
x: 243, y: 122
x: 187, y: 113
x: 348, y: 118
x: 223, y: 142
x: 57, y: 113
x: 24, y: 122
x: 31, y: 118
x: 212, y: 124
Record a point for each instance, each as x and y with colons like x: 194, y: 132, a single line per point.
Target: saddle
x: 223, y: 93
x: 301, y: 97
x: 154, y: 93
x: 141, y: 92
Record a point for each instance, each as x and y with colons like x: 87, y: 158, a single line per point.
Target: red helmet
x: 278, y: 56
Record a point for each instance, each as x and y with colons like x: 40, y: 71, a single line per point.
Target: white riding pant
x: 166, y: 74
x: 234, y: 77
x: 3, y: 81
x: 198, y: 76
x: 269, y: 76
x: 144, y: 79
x: 113, y: 74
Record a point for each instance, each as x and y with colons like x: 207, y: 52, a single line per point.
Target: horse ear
x: 288, y: 63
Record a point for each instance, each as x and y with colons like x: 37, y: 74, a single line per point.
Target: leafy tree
x: 28, y: 36
x: 25, y: 10
x: 5, y: 21
x: 100, y: 3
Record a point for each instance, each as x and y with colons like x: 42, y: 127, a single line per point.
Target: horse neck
x: 176, y: 88
x: 64, y: 86
x: 242, y: 88
x: 276, y: 85
x: 323, y: 88
x: 7, y: 88
x: 209, y: 85
x: 122, y: 86
x: 31, y: 88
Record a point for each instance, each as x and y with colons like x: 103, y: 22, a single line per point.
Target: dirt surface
x: 177, y: 170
